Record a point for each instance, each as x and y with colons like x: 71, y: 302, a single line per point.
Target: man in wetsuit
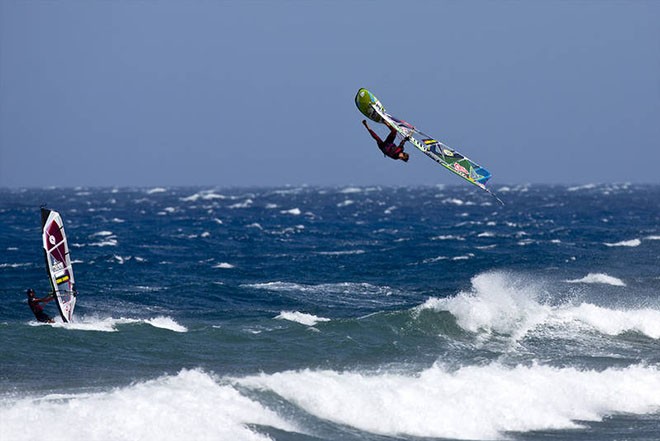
x: 388, y: 147
x: 37, y: 309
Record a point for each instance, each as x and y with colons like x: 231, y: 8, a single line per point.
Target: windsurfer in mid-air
x: 388, y: 147
x: 36, y: 308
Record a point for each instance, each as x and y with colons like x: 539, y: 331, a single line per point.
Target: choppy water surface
x: 337, y: 314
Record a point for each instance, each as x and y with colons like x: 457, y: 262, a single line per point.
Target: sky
x: 144, y: 93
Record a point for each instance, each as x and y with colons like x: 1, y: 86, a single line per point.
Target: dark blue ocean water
x: 337, y: 314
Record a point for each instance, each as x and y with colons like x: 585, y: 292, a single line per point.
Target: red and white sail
x: 58, y: 263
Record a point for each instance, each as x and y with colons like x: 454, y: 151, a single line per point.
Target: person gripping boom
x: 36, y: 308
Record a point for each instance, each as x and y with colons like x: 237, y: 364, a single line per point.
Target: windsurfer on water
x: 36, y: 308
x: 388, y: 147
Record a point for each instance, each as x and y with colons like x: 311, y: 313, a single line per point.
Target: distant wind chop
x: 58, y: 263
x: 449, y: 158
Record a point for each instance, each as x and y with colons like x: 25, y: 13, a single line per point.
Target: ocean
x: 351, y: 313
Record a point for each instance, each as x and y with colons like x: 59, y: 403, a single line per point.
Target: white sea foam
x: 91, y: 323
x: 599, y: 278
x: 435, y: 259
x: 204, y: 195
x: 191, y: 198
x: 102, y: 234
x: 448, y: 237
x: 345, y: 203
x: 455, y: 201
x: 495, y: 304
x: 582, y: 187
x: 301, y: 317
x: 223, y: 265
x: 209, y: 196
x: 245, y: 204
x: 625, y: 243
x: 498, y: 303
x: 156, y: 190
x: 486, y: 247
x: 123, y: 259
x: 191, y: 405
x: 478, y: 402
x: 166, y: 323
x: 293, y: 211
x: 109, y: 324
x: 612, y: 321
x: 486, y: 234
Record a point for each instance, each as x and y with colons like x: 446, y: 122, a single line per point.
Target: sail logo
x: 459, y: 168
x: 51, y: 239
x: 58, y: 266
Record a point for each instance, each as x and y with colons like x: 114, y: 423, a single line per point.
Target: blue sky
x: 260, y: 93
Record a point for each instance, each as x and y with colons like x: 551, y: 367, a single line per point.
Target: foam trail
x: 110, y: 324
x: 190, y: 405
x: 107, y: 324
x: 477, y: 402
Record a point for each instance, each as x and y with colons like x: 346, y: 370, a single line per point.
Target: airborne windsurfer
x: 36, y: 308
x: 388, y: 147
